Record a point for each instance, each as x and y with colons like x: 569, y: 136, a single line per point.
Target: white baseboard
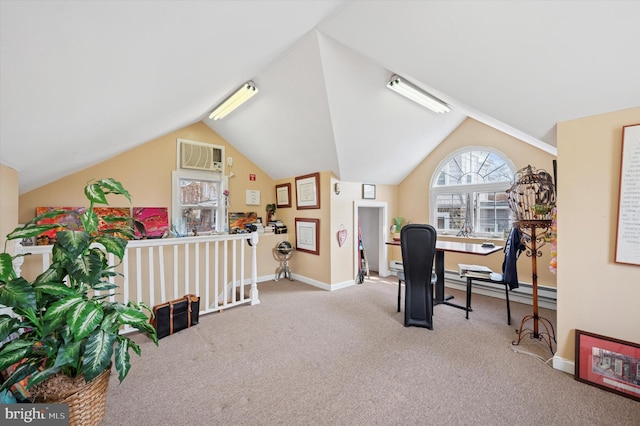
x: 565, y: 365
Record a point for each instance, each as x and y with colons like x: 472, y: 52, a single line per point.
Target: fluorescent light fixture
x: 403, y: 87
x: 239, y: 97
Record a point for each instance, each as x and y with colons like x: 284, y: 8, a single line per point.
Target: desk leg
x: 440, y: 298
x: 439, y: 277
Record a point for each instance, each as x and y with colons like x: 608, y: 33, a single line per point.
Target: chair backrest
x: 418, y: 246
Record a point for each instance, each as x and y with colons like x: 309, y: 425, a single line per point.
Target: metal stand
x: 534, y: 240
x: 283, y: 255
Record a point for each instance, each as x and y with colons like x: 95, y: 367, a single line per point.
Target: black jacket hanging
x: 512, y: 249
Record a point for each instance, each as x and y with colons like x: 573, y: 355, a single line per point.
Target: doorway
x: 373, y: 219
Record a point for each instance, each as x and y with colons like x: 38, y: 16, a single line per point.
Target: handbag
x: 175, y: 315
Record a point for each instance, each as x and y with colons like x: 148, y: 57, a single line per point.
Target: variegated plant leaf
x: 6, y: 268
x: 97, y: 353
x: 122, y: 358
x: 113, y: 245
x: 114, y: 187
x: 56, y: 313
x: 95, y: 194
x: 18, y: 293
x: 83, y: 318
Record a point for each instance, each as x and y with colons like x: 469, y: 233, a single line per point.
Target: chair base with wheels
x: 494, y: 278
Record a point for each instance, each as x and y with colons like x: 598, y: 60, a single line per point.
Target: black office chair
x: 434, y: 278
x: 418, y: 246
x: 509, y: 278
x: 494, y: 278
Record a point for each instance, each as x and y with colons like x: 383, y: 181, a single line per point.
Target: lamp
x: 417, y: 95
x: 239, y: 97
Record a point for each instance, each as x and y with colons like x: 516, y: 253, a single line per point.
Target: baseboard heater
x: 547, y: 296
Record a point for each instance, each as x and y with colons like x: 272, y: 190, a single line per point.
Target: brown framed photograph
x: 307, y: 235
x: 283, y: 195
x: 608, y: 363
x: 308, y: 191
x: 368, y: 191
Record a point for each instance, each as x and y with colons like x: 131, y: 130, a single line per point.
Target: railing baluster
x: 139, y: 275
x: 234, y: 268
x: 196, y: 276
x: 163, y: 295
x: 175, y: 272
x: 152, y: 283
x: 241, y: 283
x: 207, y: 279
x: 216, y: 275
x: 186, y: 268
x: 225, y: 274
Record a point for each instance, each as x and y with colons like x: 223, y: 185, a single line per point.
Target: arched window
x: 468, y: 193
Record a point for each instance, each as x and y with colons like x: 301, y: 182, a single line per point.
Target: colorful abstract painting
x: 239, y: 220
x: 103, y: 212
x: 70, y: 220
x: 155, y: 220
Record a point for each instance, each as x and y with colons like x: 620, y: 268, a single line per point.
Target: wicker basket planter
x: 87, y: 402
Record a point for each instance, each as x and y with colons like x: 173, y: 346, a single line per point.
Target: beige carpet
x: 305, y: 356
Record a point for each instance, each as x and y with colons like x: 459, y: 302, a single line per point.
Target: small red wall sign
x: 252, y: 176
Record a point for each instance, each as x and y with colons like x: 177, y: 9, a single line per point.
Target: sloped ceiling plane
x: 89, y: 80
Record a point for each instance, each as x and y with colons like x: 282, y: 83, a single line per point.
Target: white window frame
x: 221, y: 213
x: 435, y: 190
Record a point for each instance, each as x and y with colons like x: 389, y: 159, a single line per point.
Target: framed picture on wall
x: 308, y: 191
x: 307, y: 235
x: 283, y: 195
x: 368, y: 191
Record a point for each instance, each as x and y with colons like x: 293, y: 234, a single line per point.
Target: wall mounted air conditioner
x: 200, y: 156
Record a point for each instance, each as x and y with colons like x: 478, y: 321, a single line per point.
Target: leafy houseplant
x: 63, y: 325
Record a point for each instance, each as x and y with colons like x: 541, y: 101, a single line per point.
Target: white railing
x: 217, y: 268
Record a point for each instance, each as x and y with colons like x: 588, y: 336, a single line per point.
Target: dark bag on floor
x: 175, y: 315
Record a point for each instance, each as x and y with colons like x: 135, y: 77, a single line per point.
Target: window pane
x: 469, y: 194
x: 494, y: 212
x: 199, y: 203
x: 451, y: 211
x: 471, y: 167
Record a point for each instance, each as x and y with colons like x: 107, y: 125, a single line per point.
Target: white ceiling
x: 83, y: 81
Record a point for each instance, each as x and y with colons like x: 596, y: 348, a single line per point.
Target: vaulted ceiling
x: 84, y: 81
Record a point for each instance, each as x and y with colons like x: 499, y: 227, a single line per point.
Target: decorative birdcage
x: 532, y: 196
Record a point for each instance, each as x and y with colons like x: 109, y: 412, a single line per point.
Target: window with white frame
x: 198, y: 202
x: 468, y: 193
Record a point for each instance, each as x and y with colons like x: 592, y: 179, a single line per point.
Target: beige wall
x: 413, y: 192
x: 9, y: 203
x: 146, y: 173
x: 594, y: 293
x: 335, y: 264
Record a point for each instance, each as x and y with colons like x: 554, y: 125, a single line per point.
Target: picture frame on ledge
x: 308, y: 191
x: 608, y: 363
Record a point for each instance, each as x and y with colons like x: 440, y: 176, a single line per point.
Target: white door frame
x: 383, y: 235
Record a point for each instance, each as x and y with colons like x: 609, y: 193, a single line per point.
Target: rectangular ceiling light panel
x: 240, y: 96
x: 417, y: 95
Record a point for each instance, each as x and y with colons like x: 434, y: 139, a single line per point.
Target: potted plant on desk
x: 65, y: 330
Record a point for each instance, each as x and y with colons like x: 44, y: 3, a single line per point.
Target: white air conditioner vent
x: 200, y: 156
